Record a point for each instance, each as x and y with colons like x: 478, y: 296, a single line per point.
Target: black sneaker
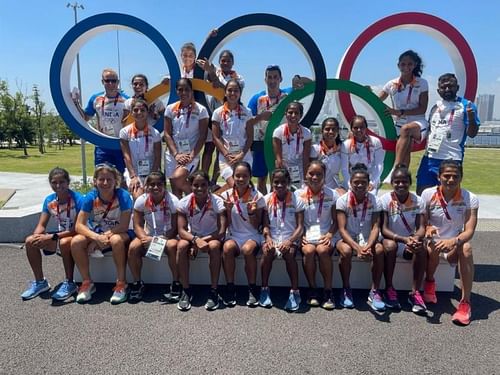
x: 136, y: 291
x: 213, y: 300
x: 312, y: 298
x: 175, y: 292
x: 253, y: 301
x: 230, y: 297
x: 184, y: 303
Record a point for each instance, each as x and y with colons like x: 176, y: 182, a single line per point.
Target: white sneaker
x: 120, y: 293
x: 85, y: 291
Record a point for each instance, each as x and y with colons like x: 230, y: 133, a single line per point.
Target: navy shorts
x: 428, y: 172
x: 259, y: 167
x: 110, y: 156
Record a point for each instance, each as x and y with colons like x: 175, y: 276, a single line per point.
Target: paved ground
x: 154, y: 337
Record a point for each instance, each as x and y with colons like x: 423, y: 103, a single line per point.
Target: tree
x: 15, y: 117
x: 39, y: 105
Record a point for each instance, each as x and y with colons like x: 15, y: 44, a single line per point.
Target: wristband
x: 394, y: 237
x: 193, y: 240
x: 402, y: 112
x: 55, y: 237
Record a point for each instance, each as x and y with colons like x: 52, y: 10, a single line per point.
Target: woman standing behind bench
x: 63, y: 205
x: 103, y: 223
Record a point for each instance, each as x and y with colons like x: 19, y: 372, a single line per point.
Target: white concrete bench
x: 154, y: 272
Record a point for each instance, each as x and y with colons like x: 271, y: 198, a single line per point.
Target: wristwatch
x: 55, y: 237
x: 193, y: 241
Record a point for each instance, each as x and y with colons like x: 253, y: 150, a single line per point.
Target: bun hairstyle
x: 451, y: 164
x: 360, y: 168
x: 198, y: 173
x: 58, y: 171
x: 284, y: 171
x: 419, y: 66
x: 156, y: 174
x: 401, y: 169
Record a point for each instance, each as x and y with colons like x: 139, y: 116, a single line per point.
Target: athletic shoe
x: 184, y: 303
x: 66, y: 290
x: 265, y: 298
x: 375, y: 300
x: 391, y: 299
x: 175, y: 291
x: 136, y: 291
x: 346, y: 298
x: 230, y: 297
x: 213, y: 300
x: 119, y: 293
x: 85, y: 291
x: 328, y: 303
x: 417, y: 303
x: 35, y: 289
x: 312, y: 298
x: 430, y: 292
x: 463, y: 313
x: 293, y: 302
x: 252, y: 297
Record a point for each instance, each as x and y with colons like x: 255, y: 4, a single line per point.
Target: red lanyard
x: 310, y: 195
x: 164, y: 206
x: 226, y: 111
x: 274, y: 201
x: 68, y: 209
x: 206, y: 207
x: 177, y: 109
x: 354, y: 203
x: 268, y: 101
x: 325, y: 150
x: 409, y: 94
x: 134, y: 131
x: 367, y: 146
x: 245, y: 197
x: 443, y: 203
x: 288, y: 135
x: 400, y: 212
x: 108, y: 206
x: 104, y: 101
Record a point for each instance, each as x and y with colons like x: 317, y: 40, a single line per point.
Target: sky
x: 30, y: 31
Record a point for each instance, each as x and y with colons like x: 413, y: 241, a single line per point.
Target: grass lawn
x: 480, y: 174
x: 70, y: 158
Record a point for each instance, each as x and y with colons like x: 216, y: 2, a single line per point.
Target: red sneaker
x: 430, y: 292
x: 463, y: 313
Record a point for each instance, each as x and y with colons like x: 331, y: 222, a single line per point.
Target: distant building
x: 485, y: 104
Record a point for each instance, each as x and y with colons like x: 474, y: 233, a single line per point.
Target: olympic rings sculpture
x: 456, y: 45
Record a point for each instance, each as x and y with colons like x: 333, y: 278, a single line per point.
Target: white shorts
x: 171, y: 165
x: 226, y: 170
x: 424, y: 127
x: 240, y: 241
x: 210, y: 138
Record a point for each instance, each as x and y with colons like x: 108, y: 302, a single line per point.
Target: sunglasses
x: 137, y: 110
x: 111, y: 80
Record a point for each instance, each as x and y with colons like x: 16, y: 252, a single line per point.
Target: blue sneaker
x: 375, y: 300
x: 66, y: 290
x: 346, y: 298
x: 265, y: 298
x: 294, y: 301
x: 36, y: 288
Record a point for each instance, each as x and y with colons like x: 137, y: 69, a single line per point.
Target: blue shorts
x: 428, y: 172
x: 111, y: 156
x: 259, y: 167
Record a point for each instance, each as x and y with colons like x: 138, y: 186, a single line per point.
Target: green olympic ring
x: 339, y: 85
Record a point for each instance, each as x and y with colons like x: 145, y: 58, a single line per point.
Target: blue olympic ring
x: 66, y: 51
x: 293, y: 31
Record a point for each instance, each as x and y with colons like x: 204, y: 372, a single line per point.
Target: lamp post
x: 75, y: 7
